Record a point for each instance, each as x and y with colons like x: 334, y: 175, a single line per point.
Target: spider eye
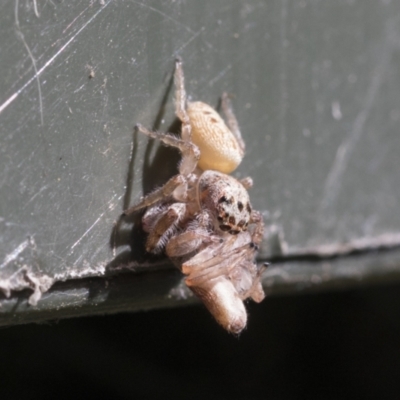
x: 242, y: 223
x: 240, y: 205
x: 224, y: 199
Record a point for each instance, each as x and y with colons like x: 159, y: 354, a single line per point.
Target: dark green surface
x: 316, y: 90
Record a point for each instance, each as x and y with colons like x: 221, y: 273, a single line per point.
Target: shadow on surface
x: 156, y: 171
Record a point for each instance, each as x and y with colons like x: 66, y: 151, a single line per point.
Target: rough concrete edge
x: 26, y: 278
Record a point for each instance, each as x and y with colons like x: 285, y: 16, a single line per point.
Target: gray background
x: 316, y: 90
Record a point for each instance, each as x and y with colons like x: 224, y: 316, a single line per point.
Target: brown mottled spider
x: 202, y: 217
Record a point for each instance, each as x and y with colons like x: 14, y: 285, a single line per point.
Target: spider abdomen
x: 218, y: 146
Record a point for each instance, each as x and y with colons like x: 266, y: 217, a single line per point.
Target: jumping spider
x: 202, y: 217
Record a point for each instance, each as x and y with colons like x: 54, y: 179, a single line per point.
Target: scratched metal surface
x: 317, y: 95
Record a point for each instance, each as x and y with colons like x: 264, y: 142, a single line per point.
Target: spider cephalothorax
x: 227, y: 201
x: 202, y: 217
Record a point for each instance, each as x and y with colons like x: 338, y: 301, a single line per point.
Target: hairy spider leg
x: 165, y: 191
x: 165, y: 227
x: 180, y: 102
x: 231, y: 121
x: 258, y: 233
x: 246, y: 182
x: 190, y: 152
x: 177, y: 185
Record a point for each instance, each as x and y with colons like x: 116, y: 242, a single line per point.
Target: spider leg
x: 190, y: 152
x: 214, y: 261
x: 165, y: 191
x: 238, y: 266
x: 187, y: 242
x: 213, y: 271
x: 180, y: 101
x: 232, y: 121
x: 258, y: 232
x: 189, y: 159
x: 220, y: 259
x: 247, y: 182
x: 207, y: 258
x: 165, y: 227
x: 221, y: 266
x: 220, y: 296
x: 256, y: 292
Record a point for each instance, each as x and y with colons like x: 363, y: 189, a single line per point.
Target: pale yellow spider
x: 202, y: 217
